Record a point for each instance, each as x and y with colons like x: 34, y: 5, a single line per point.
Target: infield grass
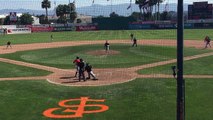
x: 191, y: 34
x: 11, y: 70
x: 200, y: 66
x: 141, y: 99
x: 128, y: 57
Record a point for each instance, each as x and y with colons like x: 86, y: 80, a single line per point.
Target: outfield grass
x: 192, y: 34
x: 142, y: 99
x: 129, y: 56
x: 11, y: 70
x: 201, y: 66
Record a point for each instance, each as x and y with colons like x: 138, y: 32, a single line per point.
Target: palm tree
x: 45, y: 4
x: 62, y: 11
x: 72, y: 7
x: 143, y: 6
x: 73, y: 16
x: 140, y: 4
x: 73, y: 13
x: 146, y: 6
x: 158, y: 3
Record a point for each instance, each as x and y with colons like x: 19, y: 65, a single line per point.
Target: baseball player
x: 134, y: 42
x: 174, y: 71
x: 76, y: 61
x: 207, y: 40
x: 51, y: 37
x: 81, y: 66
x: 131, y: 36
x: 88, y: 68
x: 8, y: 44
x: 106, y: 45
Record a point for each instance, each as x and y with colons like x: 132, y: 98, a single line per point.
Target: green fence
x: 117, y: 23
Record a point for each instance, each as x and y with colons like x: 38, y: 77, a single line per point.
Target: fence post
x: 180, y: 80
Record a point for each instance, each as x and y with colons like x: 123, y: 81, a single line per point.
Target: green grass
x: 199, y: 99
x: 201, y: 66
x: 193, y: 34
x: 129, y: 56
x: 11, y: 70
x: 142, y: 99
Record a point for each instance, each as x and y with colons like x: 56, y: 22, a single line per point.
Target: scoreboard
x: 200, y: 10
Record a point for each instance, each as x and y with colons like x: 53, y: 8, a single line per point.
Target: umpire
x: 81, y: 66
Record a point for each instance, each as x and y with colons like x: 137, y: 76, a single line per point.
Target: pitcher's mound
x: 103, y: 52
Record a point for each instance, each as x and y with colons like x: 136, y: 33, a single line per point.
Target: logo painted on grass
x: 75, y: 111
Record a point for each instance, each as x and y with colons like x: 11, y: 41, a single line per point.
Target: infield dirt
x: 105, y: 76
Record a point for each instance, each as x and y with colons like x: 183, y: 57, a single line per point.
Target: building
x: 200, y: 10
x: 35, y: 19
x: 83, y: 19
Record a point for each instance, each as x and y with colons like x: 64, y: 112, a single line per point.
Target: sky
x: 36, y: 4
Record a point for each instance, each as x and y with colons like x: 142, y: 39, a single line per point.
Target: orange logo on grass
x: 75, y: 111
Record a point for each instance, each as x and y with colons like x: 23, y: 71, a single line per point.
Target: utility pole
x: 180, y: 80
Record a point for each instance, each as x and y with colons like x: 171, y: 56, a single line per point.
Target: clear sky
x: 36, y: 4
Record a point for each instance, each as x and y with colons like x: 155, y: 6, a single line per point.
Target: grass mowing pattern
x: 11, y: 70
x: 142, y: 99
x: 200, y: 66
x: 129, y: 56
x: 192, y: 34
x: 137, y: 99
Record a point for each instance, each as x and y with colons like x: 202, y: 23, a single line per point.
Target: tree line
x: 66, y: 13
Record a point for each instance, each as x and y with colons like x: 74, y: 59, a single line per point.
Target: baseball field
x: 134, y: 83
